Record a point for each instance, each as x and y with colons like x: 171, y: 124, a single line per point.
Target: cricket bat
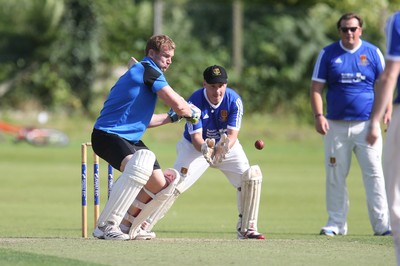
x: 131, y: 62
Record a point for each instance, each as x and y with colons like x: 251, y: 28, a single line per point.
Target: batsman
x: 212, y: 142
x: 116, y: 137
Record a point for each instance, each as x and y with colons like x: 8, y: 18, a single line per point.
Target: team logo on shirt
x: 352, y: 78
x: 332, y: 161
x: 224, y: 115
x: 184, y: 171
x: 364, y: 60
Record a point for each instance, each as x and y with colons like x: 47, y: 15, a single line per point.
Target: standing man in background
x: 349, y: 68
x: 391, y: 152
x: 127, y: 112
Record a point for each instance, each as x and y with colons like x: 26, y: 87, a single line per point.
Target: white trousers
x: 342, y: 139
x: 391, y: 168
x: 191, y: 164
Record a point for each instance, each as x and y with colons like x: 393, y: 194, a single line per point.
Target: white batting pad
x: 158, y: 200
x: 124, y: 191
x: 250, y: 196
x: 159, y: 213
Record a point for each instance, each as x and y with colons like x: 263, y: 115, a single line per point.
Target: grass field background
x: 40, y: 206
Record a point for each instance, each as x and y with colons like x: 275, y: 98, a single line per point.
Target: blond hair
x: 157, y: 42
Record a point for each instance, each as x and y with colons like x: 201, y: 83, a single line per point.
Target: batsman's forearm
x: 159, y: 120
x: 183, y: 109
x: 175, y: 101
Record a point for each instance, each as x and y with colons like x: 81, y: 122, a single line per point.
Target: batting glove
x: 175, y: 118
x: 196, y: 114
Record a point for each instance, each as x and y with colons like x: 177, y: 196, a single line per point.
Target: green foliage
x: 215, y: 33
x: 282, y: 48
x: 78, y: 48
x: 33, y: 29
x: 124, y: 29
x: 62, y: 54
x: 50, y: 56
x: 24, y: 52
x: 192, y: 55
x: 39, y: 82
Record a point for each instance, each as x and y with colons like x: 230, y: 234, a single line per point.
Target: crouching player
x: 213, y: 142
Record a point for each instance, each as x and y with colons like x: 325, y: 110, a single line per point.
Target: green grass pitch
x: 41, y: 209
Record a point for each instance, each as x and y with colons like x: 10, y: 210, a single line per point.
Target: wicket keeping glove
x: 207, y: 149
x: 221, y: 149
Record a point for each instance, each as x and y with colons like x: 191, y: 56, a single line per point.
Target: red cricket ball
x: 259, y: 144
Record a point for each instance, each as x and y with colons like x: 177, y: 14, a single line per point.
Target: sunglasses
x: 345, y: 29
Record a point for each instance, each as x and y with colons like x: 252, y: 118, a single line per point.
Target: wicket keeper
x: 213, y: 142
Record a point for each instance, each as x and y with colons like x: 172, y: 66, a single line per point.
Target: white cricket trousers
x: 391, y: 168
x: 191, y: 164
x: 342, y: 139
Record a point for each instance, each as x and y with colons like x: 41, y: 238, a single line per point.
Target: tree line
x: 62, y: 54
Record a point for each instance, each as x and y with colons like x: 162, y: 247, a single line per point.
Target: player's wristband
x: 318, y: 115
x: 173, y: 116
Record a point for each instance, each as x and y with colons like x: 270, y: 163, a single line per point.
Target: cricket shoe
x: 250, y: 234
x: 326, y: 232
x: 387, y: 233
x: 110, y: 232
x: 142, y: 234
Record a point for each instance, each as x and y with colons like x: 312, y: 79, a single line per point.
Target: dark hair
x: 159, y: 41
x: 348, y: 16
